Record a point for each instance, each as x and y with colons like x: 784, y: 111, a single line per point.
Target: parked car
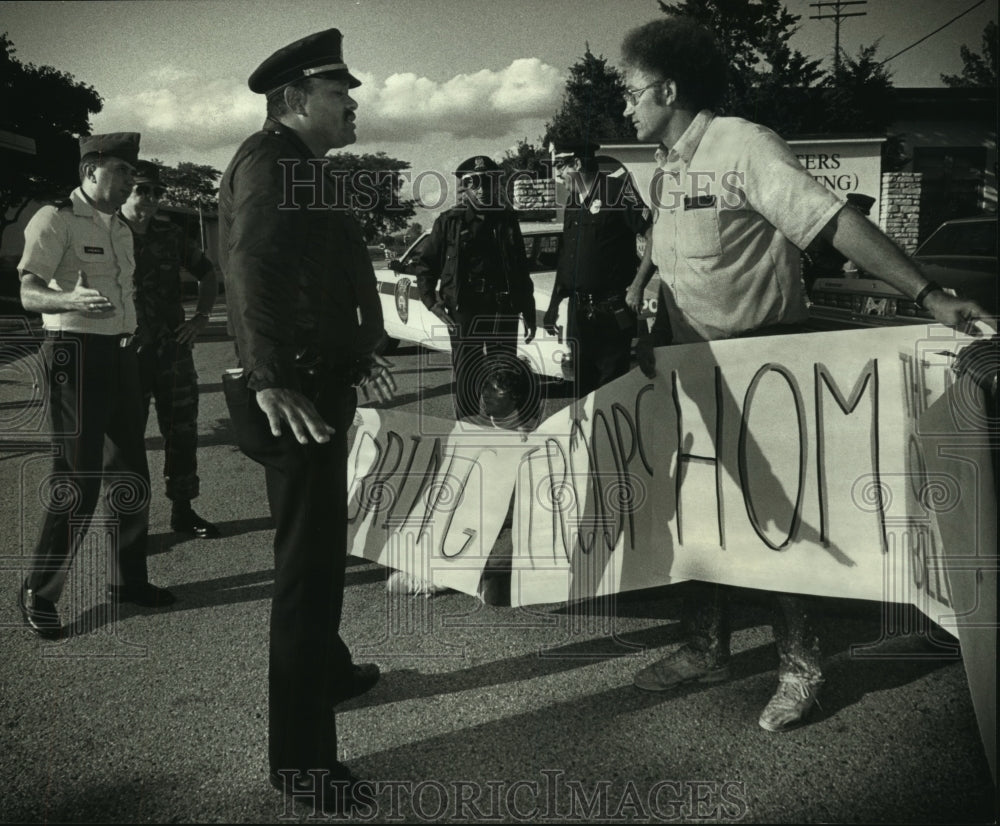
x: 961, y: 256
x: 407, y: 319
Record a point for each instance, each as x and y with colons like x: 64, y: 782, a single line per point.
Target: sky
x: 441, y: 79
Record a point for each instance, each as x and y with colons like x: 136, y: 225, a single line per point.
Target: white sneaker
x: 400, y: 582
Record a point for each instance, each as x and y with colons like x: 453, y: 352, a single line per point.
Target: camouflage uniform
x: 167, y: 367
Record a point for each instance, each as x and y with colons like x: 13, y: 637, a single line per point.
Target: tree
x: 593, y: 105
x: 979, y: 70
x: 190, y: 185
x: 769, y: 82
x: 526, y: 157
x: 371, y: 184
x: 53, y: 109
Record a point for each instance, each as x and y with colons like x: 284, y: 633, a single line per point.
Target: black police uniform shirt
x: 475, y: 252
x: 299, y: 280
x: 598, y: 255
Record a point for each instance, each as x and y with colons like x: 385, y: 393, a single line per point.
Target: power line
x: 922, y: 39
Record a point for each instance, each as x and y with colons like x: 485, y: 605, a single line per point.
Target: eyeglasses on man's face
x: 632, y: 95
x: 146, y: 191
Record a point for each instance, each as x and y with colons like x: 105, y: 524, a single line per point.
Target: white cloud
x: 185, y: 116
x: 484, y: 104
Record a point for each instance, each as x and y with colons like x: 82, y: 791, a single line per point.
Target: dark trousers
x: 602, y: 347
x: 95, y: 416
x: 706, y: 628
x: 485, y: 335
x: 307, y: 492
x: 169, y: 380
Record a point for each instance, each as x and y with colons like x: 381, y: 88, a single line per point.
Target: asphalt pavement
x: 483, y: 714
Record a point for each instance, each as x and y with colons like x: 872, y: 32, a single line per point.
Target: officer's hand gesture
x: 441, y: 311
x: 283, y: 404
x: 530, y: 327
x: 190, y: 329
x: 85, y: 300
x: 378, y: 379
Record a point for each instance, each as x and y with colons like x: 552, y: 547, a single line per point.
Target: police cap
x: 147, y: 172
x: 476, y: 164
x: 124, y: 145
x: 316, y: 55
x: 863, y: 203
x: 568, y: 151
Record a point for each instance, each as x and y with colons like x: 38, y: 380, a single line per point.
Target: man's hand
x: 378, y: 380
x: 960, y: 313
x: 191, y: 329
x: 441, y: 311
x: 530, y: 327
x: 633, y: 297
x: 83, y: 299
x: 282, y: 404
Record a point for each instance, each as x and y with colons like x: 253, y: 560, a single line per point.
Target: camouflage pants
x: 169, y: 380
x: 705, y: 625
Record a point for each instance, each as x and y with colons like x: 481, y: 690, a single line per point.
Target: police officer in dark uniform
x: 304, y: 309
x: 473, y: 274
x: 166, y: 339
x: 597, y: 263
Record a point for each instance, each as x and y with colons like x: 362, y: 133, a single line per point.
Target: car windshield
x: 970, y: 238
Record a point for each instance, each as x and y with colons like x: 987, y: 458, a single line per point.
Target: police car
x: 407, y: 319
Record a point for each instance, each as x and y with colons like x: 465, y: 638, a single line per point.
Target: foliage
x: 371, y: 187
x: 979, y: 70
x: 53, y: 109
x: 769, y: 82
x: 593, y: 105
x: 190, y: 185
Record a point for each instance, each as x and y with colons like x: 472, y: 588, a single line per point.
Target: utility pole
x: 837, y: 16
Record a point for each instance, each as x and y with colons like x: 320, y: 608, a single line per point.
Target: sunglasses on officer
x: 147, y: 191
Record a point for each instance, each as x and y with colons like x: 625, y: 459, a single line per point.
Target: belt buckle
x: 125, y: 340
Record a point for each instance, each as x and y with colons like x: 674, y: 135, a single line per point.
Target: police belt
x: 599, y: 301
x: 486, y: 287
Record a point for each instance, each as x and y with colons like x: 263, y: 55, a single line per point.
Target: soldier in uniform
x: 76, y: 271
x: 473, y: 274
x: 597, y: 263
x: 304, y: 309
x: 166, y: 339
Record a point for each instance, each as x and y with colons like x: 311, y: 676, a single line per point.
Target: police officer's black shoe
x: 39, y: 614
x: 362, y: 679
x: 185, y: 520
x: 320, y: 792
x: 144, y: 593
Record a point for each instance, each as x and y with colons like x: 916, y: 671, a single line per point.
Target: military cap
x: 568, y: 151
x: 477, y: 163
x: 124, y: 145
x: 147, y: 172
x: 317, y: 55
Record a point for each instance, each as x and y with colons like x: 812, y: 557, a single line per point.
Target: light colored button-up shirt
x: 732, y: 210
x: 61, y: 241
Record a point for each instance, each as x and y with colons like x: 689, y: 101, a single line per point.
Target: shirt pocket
x: 698, y: 233
x: 96, y: 254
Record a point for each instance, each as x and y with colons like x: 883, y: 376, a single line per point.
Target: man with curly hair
x: 732, y: 212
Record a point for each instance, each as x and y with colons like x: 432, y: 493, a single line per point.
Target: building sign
x: 845, y: 165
